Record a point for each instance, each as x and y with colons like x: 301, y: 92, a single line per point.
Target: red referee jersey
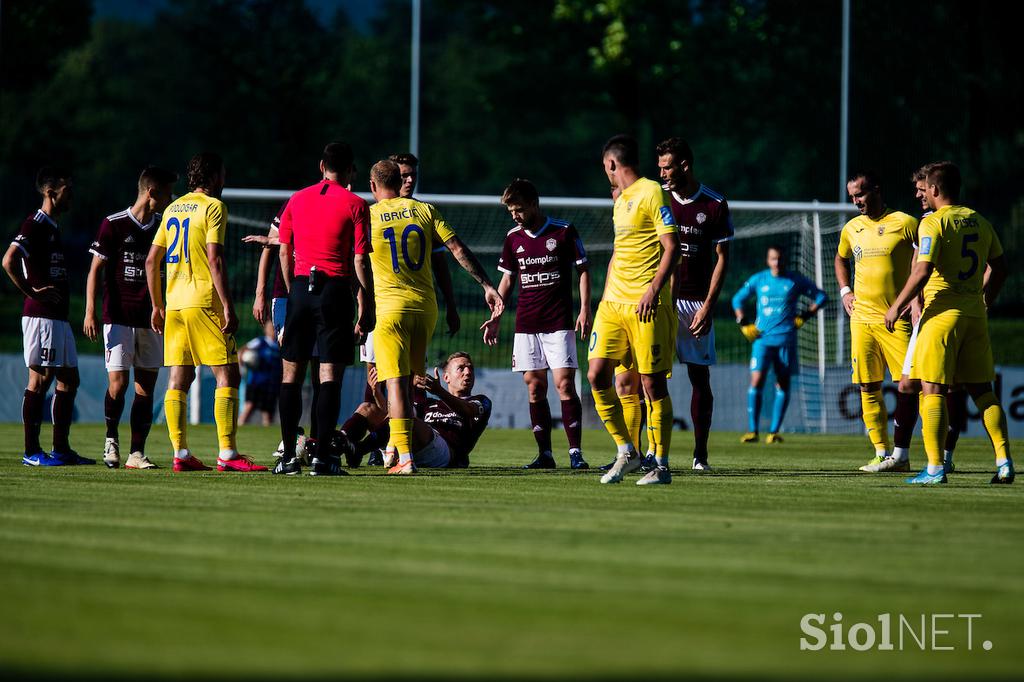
x: 327, y: 225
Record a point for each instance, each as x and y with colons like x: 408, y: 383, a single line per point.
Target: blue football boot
x: 41, y: 459
x: 71, y: 458
x: 1004, y: 474
x: 924, y: 478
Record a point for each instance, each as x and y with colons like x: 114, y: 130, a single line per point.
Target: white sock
x: 225, y: 455
x: 947, y: 456
x: 182, y: 454
x: 1001, y: 461
x: 662, y: 460
x: 881, y: 453
x: 574, y: 451
x: 627, y: 449
x: 901, y: 454
x: 934, y: 469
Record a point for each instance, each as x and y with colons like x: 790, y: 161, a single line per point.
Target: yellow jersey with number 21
x: 189, y: 224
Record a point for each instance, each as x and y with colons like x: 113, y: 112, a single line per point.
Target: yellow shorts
x: 400, y: 343
x: 873, y: 348
x: 192, y: 336
x: 953, y: 349
x: 620, y: 335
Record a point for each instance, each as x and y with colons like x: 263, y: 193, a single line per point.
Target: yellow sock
x: 632, y: 414
x: 934, y: 424
x: 609, y: 409
x: 401, y: 437
x: 175, y: 404
x: 225, y: 413
x: 659, y: 427
x: 994, y: 419
x: 876, y: 419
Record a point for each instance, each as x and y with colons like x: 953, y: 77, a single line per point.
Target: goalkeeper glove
x: 750, y: 331
x: 801, y: 318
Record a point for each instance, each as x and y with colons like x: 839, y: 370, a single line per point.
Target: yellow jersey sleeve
x: 845, y: 251
x: 659, y: 209
x: 929, y: 244
x: 216, y: 222
x: 910, y: 229
x: 160, y: 238
x: 442, y: 230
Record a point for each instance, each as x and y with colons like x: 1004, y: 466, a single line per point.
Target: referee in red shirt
x: 327, y: 229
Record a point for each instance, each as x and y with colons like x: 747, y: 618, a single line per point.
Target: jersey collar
x: 681, y: 200
x: 152, y: 219
x: 547, y: 221
x: 40, y: 213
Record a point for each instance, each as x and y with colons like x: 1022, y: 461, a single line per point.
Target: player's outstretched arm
x: 995, y: 277
x: 471, y: 265
x: 443, y: 275
x: 91, y: 324
x: 153, y: 283
x: 842, y: 267
x: 491, y: 326
x: 920, y: 273
x: 219, y: 274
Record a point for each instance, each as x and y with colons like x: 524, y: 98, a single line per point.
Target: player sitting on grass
x: 776, y: 291
x: 445, y: 429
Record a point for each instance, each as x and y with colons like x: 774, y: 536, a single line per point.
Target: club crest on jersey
x: 629, y: 206
x: 881, y: 230
x: 551, y: 244
x: 701, y: 218
x: 858, y: 253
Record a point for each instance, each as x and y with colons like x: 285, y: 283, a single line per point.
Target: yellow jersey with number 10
x: 882, y: 251
x: 189, y: 224
x: 643, y: 213
x: 959, y: 242
x: 403, y: 233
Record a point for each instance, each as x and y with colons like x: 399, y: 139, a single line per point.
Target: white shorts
x: 48, y: 343
x: 554, y: 350
x: 435, y: 455
x: 128, y: 347
x: 908, y: 360
x: 366, y: 353
x: 689, y: 348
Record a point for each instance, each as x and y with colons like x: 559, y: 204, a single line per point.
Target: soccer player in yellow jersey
x: 880, y: 241
x: 953, y: 345
x: 198, y: 320
x: 403, y: 233
x: 635, y: 324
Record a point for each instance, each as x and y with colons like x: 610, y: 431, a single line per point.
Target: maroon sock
x: 905, y: 419
x: 956, y: 403
x: 112, y: 410
x: 540, y: 418
x: 32, y: 419
x: 702, y: 407
x: 63, y: 410
x: 375, y: 440
x: 356, y: 427
x: 572, y: 421
x: 142, y: 420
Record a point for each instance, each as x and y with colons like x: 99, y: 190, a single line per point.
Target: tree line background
x: 510, y: 89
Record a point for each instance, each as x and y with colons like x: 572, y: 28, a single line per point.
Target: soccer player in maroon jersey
x: 705, y: 229
x: 35, y: 263
x: 325, y: 248
x: 119, y: 262
x: 446, y: 428
x: 540, y: 253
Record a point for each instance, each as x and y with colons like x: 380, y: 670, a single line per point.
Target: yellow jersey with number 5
x: 189, y: 224
x: 403, y: 233
x: 958, y: 242
x: 643, y: 212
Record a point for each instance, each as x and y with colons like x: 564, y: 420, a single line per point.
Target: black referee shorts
x: 326, y: 318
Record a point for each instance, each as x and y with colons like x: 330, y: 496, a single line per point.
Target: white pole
x: 844, y: 109
x: 195, y: 398
x: 819, y: 279
x: 414, y: 82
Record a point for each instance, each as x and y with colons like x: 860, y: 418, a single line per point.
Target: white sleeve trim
x: 505, y: 270
x: 21, y: 248
x: 98, y: 254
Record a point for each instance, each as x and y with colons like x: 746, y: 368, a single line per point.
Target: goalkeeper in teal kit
x: 773, y: 334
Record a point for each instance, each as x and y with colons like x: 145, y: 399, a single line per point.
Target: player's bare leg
x: 601, y: 374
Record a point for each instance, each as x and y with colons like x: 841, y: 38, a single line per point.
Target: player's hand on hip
x: 156, y: 319
x: 848, y: 303
x: 47, y: 294
x: 701, y: 323
x: 90, y: 327
x: 451, y: 316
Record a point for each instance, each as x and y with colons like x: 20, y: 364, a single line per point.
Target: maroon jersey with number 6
x: 123, y: 242
x: 703, y: 221
x: 39, y: 242
x: 541, y: 264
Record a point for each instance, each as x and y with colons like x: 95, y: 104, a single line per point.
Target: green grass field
x: 499, y: 573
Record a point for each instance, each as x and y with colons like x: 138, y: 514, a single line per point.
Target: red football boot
x: 240, y: 463
x: 190, y: 463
